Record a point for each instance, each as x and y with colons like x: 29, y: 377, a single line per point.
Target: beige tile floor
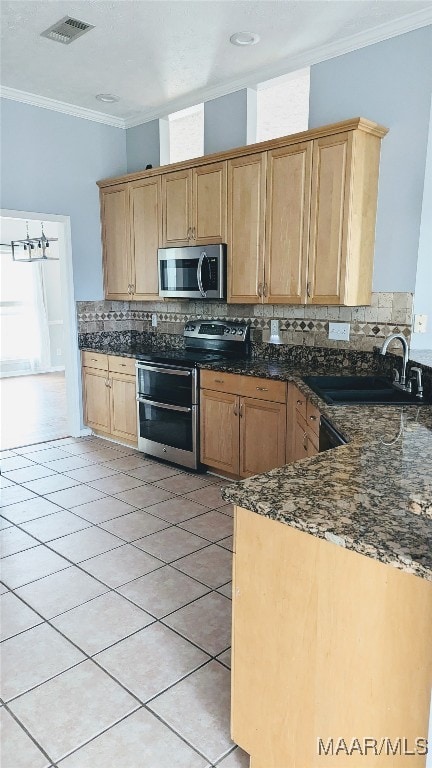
x: 115, y: 611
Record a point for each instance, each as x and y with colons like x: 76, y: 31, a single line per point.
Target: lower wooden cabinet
x: 303, y: 421
x: 242, y: 435
x: 109, y: 396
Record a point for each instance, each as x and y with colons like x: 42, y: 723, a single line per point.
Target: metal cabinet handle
x: 262, y: 389
x: 129, y: 288
x: 299, y: 402
x: 305, y: 441
x: 235, y: 411
x: 241, y: 409
x: 313, y: 418
x: 132, y: 288
x: 107, y: 383
x: 265, y: 290
x: 309, y: 289
x: 260, y: 290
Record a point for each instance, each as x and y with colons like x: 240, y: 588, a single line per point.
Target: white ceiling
x: 162, y: 55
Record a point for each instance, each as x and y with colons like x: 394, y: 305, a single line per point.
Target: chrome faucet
x: 400, y: 383
x: 417, y: 377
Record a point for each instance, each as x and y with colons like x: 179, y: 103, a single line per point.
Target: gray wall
x: 142, y: 146
x: 423, y: 288
x: 226, y: 121
x: 389, y: 82
x: 50, y: 164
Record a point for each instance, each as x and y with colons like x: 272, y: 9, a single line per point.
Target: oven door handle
x: 170, y: 371
x: 203, y: 256
x: 164, y: 405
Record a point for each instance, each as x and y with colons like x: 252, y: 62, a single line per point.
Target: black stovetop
x: 187, y: 357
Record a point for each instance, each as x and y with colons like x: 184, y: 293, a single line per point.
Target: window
x: 186, y: 134
x: 283, y: 105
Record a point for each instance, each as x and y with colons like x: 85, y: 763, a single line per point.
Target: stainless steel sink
x: 366, y: 390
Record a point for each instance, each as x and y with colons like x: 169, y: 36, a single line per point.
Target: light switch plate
x: 339, y: 331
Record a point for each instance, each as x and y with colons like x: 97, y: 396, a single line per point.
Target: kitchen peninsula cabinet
x: 195, y: 206
x: 327, y: 644
x: 131, y: 234
x: 109, y: 395
x: 243, y: 423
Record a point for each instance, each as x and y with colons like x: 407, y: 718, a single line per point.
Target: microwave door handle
x: 203, y: 256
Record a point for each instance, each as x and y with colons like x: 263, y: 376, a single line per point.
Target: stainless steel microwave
x: 193, y: 272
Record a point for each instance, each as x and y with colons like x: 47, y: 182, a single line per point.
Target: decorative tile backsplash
x: 299, y: 325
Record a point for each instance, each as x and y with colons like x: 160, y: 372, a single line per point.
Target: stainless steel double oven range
x: 168, y: 388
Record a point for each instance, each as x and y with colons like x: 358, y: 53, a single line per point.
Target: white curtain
x: 25, y: 341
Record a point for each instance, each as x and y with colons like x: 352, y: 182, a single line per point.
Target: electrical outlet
x: 339, y: 331
x: 154, y: 320
x: 420, y: 323
x: 274, y: 327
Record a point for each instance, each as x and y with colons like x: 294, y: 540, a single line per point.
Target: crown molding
x: 308, y: 58
x: 60, y: 106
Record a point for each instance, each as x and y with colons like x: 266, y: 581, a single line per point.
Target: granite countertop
x: 373, y: 495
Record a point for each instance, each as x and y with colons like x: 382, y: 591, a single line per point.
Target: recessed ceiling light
x: 244, y: 38
x: 107, y: 97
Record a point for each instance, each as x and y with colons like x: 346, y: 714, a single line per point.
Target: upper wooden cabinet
x: 145, y: 236
x: 298, y: 215
x: 246, y: 227
x: 131, y: 233
x: 115, y: 242
x: 287, y: 224
x: 194, y: 206
x: 307, y: 235
x: 343, y: 211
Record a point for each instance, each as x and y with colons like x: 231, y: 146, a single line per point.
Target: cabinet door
x: 220, y: 431
x: 246, y: 212
x: 123, y: 407
x: 329, y: 219
x: 96, y: 399
x: 145, y: 230
x: 176, y: 207
x: 115, y: 241
x: 287, y: 224
x: 262, y: 436
x: 209, y: 206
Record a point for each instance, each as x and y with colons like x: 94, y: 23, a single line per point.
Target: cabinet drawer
x: 121, y: 364
x: 220, y: 382
x: 313, y: 417
x: 301, y: 403
x: 309, y: 440
x: 263, y: 389
x: 95, y: 360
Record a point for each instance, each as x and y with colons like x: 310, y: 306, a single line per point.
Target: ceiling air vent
x: 66, y: 30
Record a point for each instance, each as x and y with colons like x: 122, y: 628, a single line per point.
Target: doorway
x: 39, y: 392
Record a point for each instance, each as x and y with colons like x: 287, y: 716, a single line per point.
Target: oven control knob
x: 227, y: 330
x: 233, y: 330
x: 240, y: 332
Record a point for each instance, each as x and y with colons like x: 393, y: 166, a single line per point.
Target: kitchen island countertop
x: 373, y: 495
